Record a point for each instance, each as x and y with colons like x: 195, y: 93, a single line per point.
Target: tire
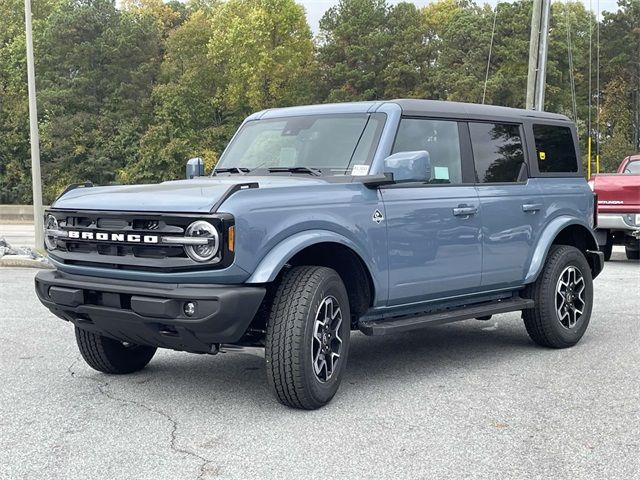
x: 544, y: 324
x: 607, y: 249
x: 633, y: 253
x: 111, y: 356
x: 305, y: 296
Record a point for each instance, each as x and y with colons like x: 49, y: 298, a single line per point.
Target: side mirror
x: 409, y: 166
x: 195, y: 168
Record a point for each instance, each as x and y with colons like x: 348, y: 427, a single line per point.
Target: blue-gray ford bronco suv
x: 382, y: 217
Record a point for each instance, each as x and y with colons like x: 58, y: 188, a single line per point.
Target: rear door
x: 511, y: 204
x: 433, y: 227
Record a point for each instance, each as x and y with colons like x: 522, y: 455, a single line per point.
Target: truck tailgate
x: 617, y: 193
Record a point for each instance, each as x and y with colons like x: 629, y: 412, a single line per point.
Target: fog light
x: 189, y: 309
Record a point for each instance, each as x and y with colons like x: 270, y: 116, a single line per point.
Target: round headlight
x: 206, y: 251
x: 51, y: 223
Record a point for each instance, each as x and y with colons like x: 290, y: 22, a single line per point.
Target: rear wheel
x: 307, y: 340
x: 633, y: 253
x: 111, y: 356
x: 563, y: 295
x: 607, y: 249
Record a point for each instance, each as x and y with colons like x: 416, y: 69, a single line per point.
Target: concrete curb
x: 23, y: 261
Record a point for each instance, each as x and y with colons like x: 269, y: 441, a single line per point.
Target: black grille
x: 134, y: 256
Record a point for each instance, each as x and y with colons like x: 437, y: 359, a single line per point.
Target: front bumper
x: 151, y: 313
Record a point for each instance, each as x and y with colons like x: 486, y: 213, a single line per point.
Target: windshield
x: 633, y: 167
x: 332, y: 144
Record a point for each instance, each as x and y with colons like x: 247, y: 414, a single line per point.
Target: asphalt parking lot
x: 467, y: 400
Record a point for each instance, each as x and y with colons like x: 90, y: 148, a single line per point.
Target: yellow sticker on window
x: 542, y: 155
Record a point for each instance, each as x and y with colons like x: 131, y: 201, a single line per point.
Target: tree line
x: 127, y: 94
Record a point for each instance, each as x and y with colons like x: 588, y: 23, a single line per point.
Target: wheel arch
x: 326, y: 249
x: 565, y: 231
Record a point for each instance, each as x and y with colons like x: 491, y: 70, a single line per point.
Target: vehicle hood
x: 199, y: 195
x: 617, y: 192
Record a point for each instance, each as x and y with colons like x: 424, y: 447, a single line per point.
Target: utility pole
x: 538, y: 46
x: 36, y: 178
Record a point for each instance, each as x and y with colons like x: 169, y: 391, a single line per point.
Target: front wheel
x: 563, y: 296
x: 633, y: 253
x: 107, y: 355
x: 307, y: 341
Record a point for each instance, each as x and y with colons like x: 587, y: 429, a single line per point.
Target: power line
x: 598, y: 87
x: 493, y: 32
x: 572, y: 79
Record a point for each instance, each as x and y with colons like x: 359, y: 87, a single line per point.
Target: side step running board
x: 406, y: 323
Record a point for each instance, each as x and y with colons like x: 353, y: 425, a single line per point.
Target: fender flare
x: 278, y: 256
x: 546, y: 240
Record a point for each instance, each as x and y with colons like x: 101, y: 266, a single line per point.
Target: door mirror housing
x: 409, y: 166
x: 195, y: 168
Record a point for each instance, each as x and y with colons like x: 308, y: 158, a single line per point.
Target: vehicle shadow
x: 432, y: 351
x: 373, y: 362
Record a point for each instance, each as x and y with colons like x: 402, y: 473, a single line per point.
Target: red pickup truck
x: 619, y: 208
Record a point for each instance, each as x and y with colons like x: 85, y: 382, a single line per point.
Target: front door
x: 433, y: 227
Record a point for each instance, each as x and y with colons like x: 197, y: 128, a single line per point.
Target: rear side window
x: 497, y: 152
x: 555, y: 149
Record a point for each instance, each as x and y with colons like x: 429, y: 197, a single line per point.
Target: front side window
x: 555, y: 149
x: 332, y: 144
x: 440, y: 140
x: 497, y: 152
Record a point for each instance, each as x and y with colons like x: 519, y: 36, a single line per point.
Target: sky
x: 316, y: 8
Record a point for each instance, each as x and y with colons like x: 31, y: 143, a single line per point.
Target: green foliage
x: 353, y: 50
x: 408, y: 55
x: 263, y: 55
x: 15, y: 166
x: 463, y: 61
x: 617, y: 135
x: 128, y: 94
x: 220, y: 65
x: 621, y: 80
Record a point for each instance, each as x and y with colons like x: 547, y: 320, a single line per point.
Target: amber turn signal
x: 231, y: 238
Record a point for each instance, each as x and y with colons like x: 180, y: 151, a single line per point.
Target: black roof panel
x: 471, y: 111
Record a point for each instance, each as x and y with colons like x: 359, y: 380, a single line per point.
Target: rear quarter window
x: 555, y: 150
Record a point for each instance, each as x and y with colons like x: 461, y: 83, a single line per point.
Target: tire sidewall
x: 571, y: 257
x: 633, y: 252
x: 322, y: 392
x: 607, y: 248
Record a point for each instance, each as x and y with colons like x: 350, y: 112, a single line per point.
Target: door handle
x: 464, y: 211
x: 531, y: 207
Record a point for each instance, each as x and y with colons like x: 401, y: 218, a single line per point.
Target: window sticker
x: 360, y: 170
x: 542, y: 155
x: 441, y: 173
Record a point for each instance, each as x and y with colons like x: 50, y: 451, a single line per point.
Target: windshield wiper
x: 242, y: 170
x: 309, y: 170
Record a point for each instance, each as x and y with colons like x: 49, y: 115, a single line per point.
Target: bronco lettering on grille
x: 113, y: 237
